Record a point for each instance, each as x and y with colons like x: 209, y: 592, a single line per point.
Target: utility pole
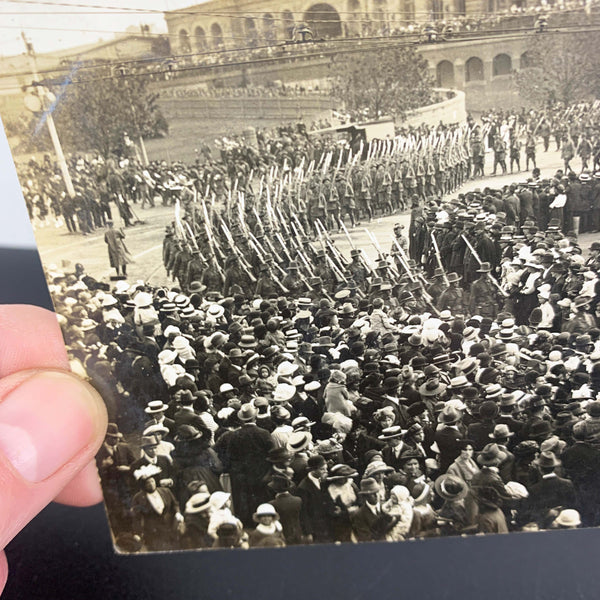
x: 42, y: 94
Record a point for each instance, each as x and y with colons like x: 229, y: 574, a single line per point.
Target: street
x: 144, y: 240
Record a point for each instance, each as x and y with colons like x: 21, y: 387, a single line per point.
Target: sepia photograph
x: 334, y: 267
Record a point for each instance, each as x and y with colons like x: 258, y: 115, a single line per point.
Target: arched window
x: 184, y: 42
x: 269, y: 27
x: 502, y: 65
x: 251, y: 31
x: 445, y: 74
x: 324, y: 20
x: 474, y: 69
x: 200, y: 39
x: 288, y: 24
x: 217, y: 35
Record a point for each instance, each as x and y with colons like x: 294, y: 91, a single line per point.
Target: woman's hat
x: 450, y: 487
x: 341, y: 472
x: 491, y: 456
x: 198, y: 503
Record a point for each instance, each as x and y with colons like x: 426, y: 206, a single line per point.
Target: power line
x: 322, y: 53
x: 246, y: 14
x: 373, y: 43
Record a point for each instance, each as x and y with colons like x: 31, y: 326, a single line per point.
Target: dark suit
x: 447, y: 440
x: 480, y: 433
x: 288, y: 507
x: 369, y: 527
x: 581, y: 462
x: 390, y: 458
x: 183, y: 416
x: 546, y: 494
x: 246, y: 459
x: 157, y: 530
x: 313, y: 515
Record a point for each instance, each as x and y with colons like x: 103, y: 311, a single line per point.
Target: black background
x: 67, y: 553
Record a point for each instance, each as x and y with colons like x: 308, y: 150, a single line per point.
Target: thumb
x: 51, y: 425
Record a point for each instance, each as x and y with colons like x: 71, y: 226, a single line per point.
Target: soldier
x: 530, y: 150
x: 499, y: 155
x: 365, y: 193
x: 437, y: 286
x: 357, y: 268
x: 515, y: 153
x: 265, y: 286
x: 452, y: 298
x: 293, y: 282
x: 484, y: 298
x: 348, y: 204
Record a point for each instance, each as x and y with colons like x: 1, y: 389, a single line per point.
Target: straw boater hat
x: 198, y: 503
x: 156, y: 406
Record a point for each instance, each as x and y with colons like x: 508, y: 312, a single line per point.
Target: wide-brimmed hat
x: 278, y: 454
x: 450, y: 487
x: 280, y: 483
x: 198, y: 503
x: 449, y: 416
x: 298, y: 441
x: 491, y: 456
x: 453, y: 277
x: 501, y: 431
x: 341, y: 472
x: 433, y: 387
x: 247, y: 413
x: 187, y: 433
x: 284, y: 392
x: 375, y: 467
x: 368, y: 486
x: 546, y: 460
x: 215, y: 311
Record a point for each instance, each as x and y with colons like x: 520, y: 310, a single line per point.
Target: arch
x: 268, y: 23
x: 436, y: 9
x: 474, y: 69
x: 502, y: 65
x: 184, y: 41
x: 408, y: 12
x: 324, y: 20
x: 352, y: 25
x: 251, y: 31
x: 525, y: 61
x: 380, y: 14
x: 217, y: 35
x: 445, y: 74
x: 200, y: 39
x: 288, y: 22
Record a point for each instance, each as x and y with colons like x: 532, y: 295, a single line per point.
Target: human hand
x: 51, y: 423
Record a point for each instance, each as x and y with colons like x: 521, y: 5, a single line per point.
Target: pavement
x: 144, y: 240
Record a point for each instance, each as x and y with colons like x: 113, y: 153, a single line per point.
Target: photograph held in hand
x: 333, y: 267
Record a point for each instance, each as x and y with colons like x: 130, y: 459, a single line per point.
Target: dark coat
x: 549, y: 493
x: 289, y: 507
x: 447, y: 440
x: 313, y: 515
x: 369, y: 527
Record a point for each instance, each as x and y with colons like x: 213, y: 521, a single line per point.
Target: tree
x: 559, y: 68
x: 95, y: 111
x: 386, y: 81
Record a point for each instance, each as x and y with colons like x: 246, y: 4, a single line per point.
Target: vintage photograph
x: 334, y: 266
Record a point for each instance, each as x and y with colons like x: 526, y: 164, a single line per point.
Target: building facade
x: 221, y: 24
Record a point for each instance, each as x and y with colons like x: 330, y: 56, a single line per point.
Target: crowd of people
x: 304, y: 396
x: 310, y: 174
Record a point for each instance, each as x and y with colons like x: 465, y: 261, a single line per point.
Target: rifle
x: 243, y: 263
x: 363, y: 261
x: 476, y: 256
x: 439, y: 258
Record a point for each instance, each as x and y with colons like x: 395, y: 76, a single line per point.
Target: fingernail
x: 44, y: 423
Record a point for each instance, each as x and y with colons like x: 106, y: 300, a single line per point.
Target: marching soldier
x: 484, y: 298
x: 452, y: 298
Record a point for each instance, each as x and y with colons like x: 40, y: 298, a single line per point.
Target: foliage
x: 95, y: 110
x: 560, y: 68
x: 386, y: 81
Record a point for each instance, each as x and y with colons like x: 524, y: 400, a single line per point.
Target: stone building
x: 242, y: 23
